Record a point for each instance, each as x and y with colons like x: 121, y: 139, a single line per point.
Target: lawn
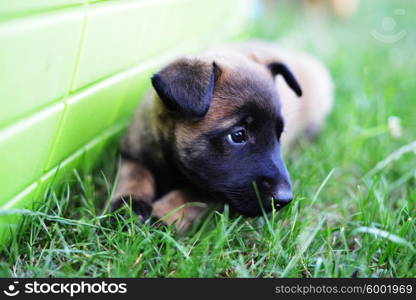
x: 354, y: 212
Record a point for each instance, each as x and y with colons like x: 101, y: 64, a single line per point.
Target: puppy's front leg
x: 181, y: 207
x: 136, y: 183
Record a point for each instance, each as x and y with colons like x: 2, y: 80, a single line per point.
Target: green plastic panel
x: 37, y: 63
x: 24, y: 150
x: 18, y: 8
x: 9, y: 219
x: 72, y: 73
x: 119, y: 40
x: 87, y: 114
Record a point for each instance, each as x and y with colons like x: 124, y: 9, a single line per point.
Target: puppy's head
x: 227, y: 131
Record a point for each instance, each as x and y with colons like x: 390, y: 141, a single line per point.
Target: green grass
x: 355, y: 208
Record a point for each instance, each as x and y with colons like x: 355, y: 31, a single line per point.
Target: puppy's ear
x: 281, y: 69
x: 186, y: 86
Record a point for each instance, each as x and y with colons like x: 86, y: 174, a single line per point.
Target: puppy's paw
x: 141, y: 208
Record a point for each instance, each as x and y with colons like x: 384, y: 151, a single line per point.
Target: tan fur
x: 222, y: 112
x: 304, y: 114
x: 137, y: 181
x: 342, y: 8
x: 180, y: 208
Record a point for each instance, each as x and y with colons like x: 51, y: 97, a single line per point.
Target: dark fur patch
x: 186, y: 86
x: 281, y: 69
x: 142, y: 209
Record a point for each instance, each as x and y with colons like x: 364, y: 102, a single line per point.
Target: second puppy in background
x: 341, y: 8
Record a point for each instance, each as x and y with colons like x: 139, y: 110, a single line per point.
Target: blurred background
x: 355, y: 187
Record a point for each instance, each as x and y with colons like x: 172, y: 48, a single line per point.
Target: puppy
x: 213, y: 130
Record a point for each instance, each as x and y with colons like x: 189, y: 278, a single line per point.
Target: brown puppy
x: 213, y: 131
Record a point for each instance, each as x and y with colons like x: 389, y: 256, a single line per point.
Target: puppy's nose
x: 282, y: 197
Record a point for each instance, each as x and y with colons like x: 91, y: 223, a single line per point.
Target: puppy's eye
x: 237, y: 137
